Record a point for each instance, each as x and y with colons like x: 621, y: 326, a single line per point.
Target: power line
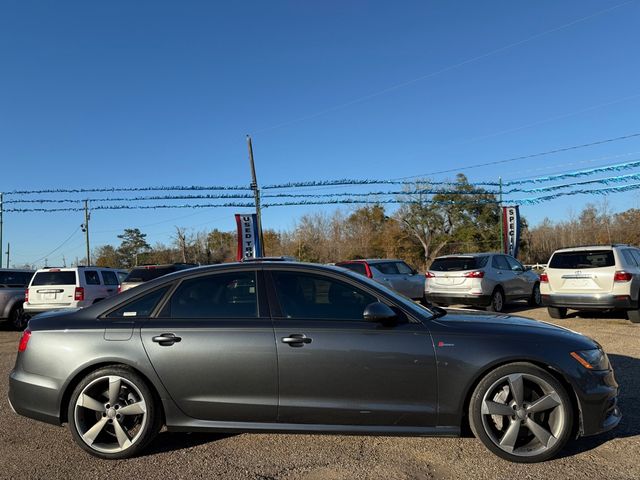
x: 57, y: 248
x: 525, y: 157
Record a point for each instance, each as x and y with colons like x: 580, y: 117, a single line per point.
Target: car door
x: 522, y: 285
x: 93, y: 288
x: 110, y: 281
x: 213, y: 347
x: 334, y: 368
x: 387, y: 273
x: 505, y: 276
x: 414, y: 282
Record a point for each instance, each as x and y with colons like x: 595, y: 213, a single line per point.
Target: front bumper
x: 598, y: 400
x: 589, y: 301
x: 461, y: 299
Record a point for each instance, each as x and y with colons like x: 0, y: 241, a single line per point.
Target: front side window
x: 223, y: 295
x: 304, y: 295
x: 403, y: 268
x: 514, y: 265
x: 109, y: 277
x: 386, y: 268
x: 499, y: 262
x: 140, y: 307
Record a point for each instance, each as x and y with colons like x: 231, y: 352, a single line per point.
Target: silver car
x: 481, y: 279
x: 392, y: 273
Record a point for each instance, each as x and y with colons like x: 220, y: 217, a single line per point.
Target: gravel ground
x: 30, y: 449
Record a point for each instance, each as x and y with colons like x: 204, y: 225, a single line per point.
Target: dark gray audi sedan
x: 269, y: 346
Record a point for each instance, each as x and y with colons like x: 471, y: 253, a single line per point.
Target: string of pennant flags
x: 274, y: 198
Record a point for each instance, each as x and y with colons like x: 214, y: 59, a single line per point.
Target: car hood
x: 476, y: 321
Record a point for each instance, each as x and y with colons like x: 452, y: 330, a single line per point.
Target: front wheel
x: 113, y: 413
x: 535, y: 300
x: 521, y: 413
x: 497, y: 301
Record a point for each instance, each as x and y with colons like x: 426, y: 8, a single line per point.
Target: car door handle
x: 296, y: 339
x: 166, y: 339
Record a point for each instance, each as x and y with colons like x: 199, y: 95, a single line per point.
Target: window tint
x: 303, y: 295
x: 387, y: 268
x: 14, y: 279
x: 499, y: 262
x: 109, y: 277
x: 142, y: 306
x: 225, y: 295
x: 121, y: 276
x: 144, y: 274
x: 628, y: 257
x: 582, y: 259
x: 514, y: 264
x: 403, y: 268
x: 458, y: 264
x: 92, y: 278
x: 54, y: 278
x: 636, y: 255
x: 357, y: 267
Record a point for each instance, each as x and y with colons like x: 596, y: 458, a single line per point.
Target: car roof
x: 582, y: 248
x: 470, y: 255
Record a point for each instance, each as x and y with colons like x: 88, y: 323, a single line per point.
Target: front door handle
x: 166, y: 339
x: 296, y: 339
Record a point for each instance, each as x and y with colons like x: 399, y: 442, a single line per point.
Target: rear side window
x: 15, y: 279
x: 636, y: 255
x: 109, y: 277
x: 92, y: 278
x: 357, y: 267
x: 224, y: 295
x: 582, y: 259
x: 457, y: 264
x: 140, y: 307
x: 146, y: 274
x: 387, y: 268
x: 54, y: 278
x: 403, y: 268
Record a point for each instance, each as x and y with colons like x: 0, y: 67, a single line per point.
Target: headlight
x: 594, y: 359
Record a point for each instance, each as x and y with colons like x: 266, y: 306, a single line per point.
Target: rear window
x: 54, y: 278
x: 457, y: 264
x: 582, y: 259
x: 355, y: 267
x: 146, y: 274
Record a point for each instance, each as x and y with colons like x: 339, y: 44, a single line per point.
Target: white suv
x: 76, y: 287
x: 602, y: 277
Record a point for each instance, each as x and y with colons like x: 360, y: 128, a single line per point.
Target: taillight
x: 476, y: 274
x: 119, y: 288
x: 428, y: 274
x: 544, y: 278
x: 78, y: 296
x: 622, y: 276
x: 26, y: 295
x: 24, y: 339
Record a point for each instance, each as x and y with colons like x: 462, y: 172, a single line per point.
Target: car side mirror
x: 527, y: 268
x: 379, y: 312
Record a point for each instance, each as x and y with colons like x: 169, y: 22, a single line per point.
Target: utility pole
x: 8, y: 253
x: 85, y: 229
x: 500, y: 217
x: 1, y: 209
x: 256, y: 193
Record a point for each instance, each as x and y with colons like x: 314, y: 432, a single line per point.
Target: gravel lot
x: 35, y: 450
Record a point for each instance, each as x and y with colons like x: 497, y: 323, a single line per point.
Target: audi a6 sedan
x: 269, y: 346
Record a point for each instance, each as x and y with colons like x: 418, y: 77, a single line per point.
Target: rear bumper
x: 461, y: 299
x: 590, y: 301
x: 34, y: 396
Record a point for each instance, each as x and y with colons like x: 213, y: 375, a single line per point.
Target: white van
x: 75, y: 287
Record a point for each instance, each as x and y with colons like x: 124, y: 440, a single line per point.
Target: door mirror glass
x: 379, y: 312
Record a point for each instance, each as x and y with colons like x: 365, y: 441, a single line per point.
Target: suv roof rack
x: 283, y: 258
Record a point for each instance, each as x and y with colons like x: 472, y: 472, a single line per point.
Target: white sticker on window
x: 129, y: 314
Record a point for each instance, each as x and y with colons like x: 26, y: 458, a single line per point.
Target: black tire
x: 557, y: 312
x: 18, y: 318
x: 90, y: 412
x: 497, y: 301
x: 425, y: 302
x: 535, y: 300
x: 633, y: 316
x: 511, y: 435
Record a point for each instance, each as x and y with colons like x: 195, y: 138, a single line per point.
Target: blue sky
x: 119, y: 93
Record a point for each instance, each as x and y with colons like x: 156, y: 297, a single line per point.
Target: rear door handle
x: 166, y: 339
x: 296, y: 339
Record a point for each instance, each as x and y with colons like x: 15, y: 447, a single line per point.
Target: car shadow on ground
x: 627, y: 370
x: 173, y: 441
x: 596, y: 315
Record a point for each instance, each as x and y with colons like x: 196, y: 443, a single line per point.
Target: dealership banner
x: 248, y: 236
x: 510, y: 230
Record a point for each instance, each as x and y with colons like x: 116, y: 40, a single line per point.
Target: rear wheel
x: 535, y: 300
x: 557, y: 312
x: 113, y: 414
x: 17, y: 318
x: 633, y: 316
x: 521, y: 413
x: 497, y: 301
